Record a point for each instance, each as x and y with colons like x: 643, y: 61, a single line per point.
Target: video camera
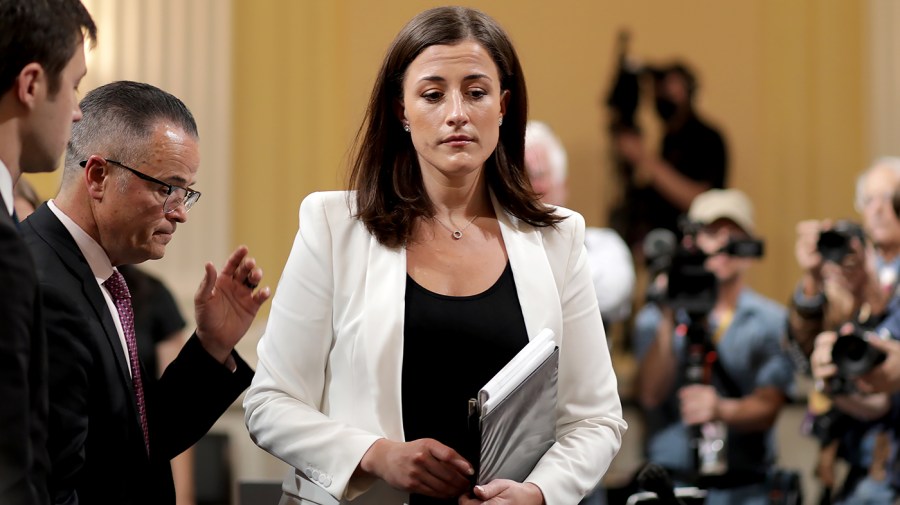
x: 834, y: 244
x: 690, y: 287
x: 624, y: 96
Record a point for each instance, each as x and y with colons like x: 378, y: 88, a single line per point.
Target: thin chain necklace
x: 457, y: 233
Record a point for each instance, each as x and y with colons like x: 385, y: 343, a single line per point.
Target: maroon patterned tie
x: 122, y: 298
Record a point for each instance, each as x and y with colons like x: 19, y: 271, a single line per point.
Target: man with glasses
x: 126, y: 187
x: 41, y: 65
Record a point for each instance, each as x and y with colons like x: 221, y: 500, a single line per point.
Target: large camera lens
x: 854, y: 356
x: 833, y: 246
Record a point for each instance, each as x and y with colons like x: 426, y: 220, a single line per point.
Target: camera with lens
x: 690, y: 286
x: 834, y: 244
x: 853, y: 356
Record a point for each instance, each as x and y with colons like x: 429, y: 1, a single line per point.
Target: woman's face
x: 453, y: 103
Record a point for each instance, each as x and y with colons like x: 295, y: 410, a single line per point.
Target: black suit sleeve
x: 23, y: 456
x: 193, y: 392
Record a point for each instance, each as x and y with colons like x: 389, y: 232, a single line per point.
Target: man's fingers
x: 234, y: 261
x: 262, y: 295
x: 204, y: 291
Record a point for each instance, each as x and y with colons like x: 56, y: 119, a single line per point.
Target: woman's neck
x: 459, y: 199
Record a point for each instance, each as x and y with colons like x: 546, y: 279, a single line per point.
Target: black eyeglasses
x: 175, y: 195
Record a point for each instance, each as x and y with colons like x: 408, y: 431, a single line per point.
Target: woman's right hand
x: 423, y: 466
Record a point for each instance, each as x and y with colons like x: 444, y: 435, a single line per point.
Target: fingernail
x: 479, y: 489
x: 470, y: 471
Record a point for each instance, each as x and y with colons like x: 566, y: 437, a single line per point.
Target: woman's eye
x: 477, y: 93
x: 432, y: 96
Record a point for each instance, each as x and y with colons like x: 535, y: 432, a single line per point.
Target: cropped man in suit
x: 125, y: 188
x: 41, y: 64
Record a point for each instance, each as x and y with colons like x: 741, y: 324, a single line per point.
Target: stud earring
x: 501, y: 120
x: 406, y: 127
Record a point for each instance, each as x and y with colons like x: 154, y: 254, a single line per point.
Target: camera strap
x: 728, y: 384
x: 722, y: 326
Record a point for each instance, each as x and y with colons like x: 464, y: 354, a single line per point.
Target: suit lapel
x: 533, y: 277
x: 45, y: 225
x: 382, y: 341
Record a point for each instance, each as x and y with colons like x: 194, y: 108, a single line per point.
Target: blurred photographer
x: 863, y: 424
x: 849, y: 279
x: 692, y: 157
x: 612, y: 268
x: 745, y: 376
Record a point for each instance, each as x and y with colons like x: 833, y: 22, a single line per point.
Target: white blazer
x: 327, y: 385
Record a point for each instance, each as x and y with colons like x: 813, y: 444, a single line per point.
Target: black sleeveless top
x: 452, y: 345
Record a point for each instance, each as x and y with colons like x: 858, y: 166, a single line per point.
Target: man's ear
x: 30, y: 83
x: 97, y: 177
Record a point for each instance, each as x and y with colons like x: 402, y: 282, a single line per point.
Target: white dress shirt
x: 100, y: 266
x: 6, y: 188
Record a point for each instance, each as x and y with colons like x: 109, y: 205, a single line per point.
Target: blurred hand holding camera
x: 884, y: 378
x: 630, y: 147
x: 699, y: 404
x: 837, y: 255
x: 808, y: 257
x: 839, y: 362
x: 820, y: 359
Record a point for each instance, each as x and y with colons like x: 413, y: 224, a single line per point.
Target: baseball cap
x: 716, y: 204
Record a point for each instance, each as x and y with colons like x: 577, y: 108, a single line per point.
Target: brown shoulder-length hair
x: 385, y: 173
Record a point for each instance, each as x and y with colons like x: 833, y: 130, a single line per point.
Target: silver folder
x: 513, y: 420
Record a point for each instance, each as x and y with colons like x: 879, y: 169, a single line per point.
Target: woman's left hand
x: 503, y: 492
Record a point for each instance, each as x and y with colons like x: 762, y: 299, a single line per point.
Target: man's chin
x: 155, y: 252
x: 44, y: 166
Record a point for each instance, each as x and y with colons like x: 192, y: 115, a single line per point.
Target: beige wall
x: 785, y: 81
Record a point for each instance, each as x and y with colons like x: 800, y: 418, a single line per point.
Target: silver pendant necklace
x: 457, y: 233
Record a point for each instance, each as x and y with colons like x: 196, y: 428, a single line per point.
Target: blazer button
x: 326, y: 481
x: 309, y: 472
x: 316, y: 475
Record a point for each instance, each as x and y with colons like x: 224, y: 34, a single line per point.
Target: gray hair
x: 118, y: 119
x: 538, y: 133
x: 892, y: 162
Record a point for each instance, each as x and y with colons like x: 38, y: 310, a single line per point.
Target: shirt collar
x: 93, y: 253
x: 6, y: 188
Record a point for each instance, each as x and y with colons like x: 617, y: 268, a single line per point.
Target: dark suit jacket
x: 24, y: 463
x: 96, y: 444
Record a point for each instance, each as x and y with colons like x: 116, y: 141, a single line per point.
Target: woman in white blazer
x: 403, y: 296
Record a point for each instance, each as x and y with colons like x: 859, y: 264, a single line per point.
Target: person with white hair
x: 610, y: 261
x: 857, y: 286
x: 609, y: 258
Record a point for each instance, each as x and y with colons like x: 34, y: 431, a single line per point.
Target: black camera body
x: 853, y: 356
x: 834, y: 244
x: 690, y: 287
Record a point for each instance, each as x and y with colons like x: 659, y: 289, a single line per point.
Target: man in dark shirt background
x: 692, y: 158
